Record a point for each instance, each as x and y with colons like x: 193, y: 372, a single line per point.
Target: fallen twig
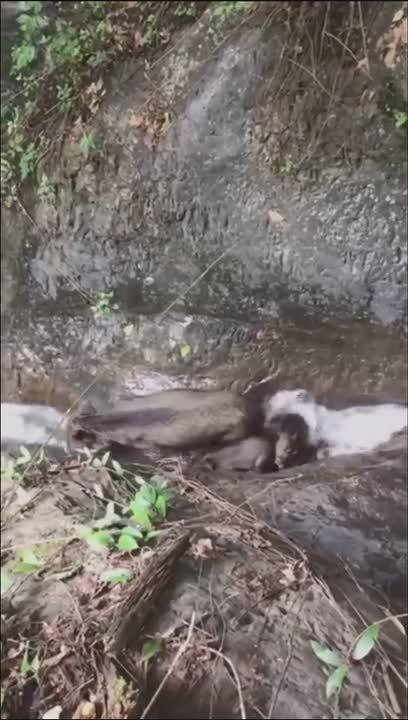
x: 182, y: 649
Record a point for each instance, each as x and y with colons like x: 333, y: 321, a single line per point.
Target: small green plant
x: 28, y: 563
x: 185, y: 350
x: 87, y: 145
x: 10, y: 467
x: 288, y: 167
x: 9, y: 470
x: 29, y: 667
x: 231, y: 8
x: 104, y: 306
x: 53, y: 64
x: 401, y: 118
x: 151, y: 648
x: 362, y: 646
x: 185, y: 9
x: 65, y: 98
x: 46, y: 191
x: 27, y: 159
x: 151, y: 31
x: 135, y: 526
x: 33, y: 23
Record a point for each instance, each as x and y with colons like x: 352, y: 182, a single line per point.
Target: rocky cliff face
x: 226, y: 154
x: 247, y: 172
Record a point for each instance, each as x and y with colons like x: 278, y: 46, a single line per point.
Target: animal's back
x: 179, y: 419
x: 181, y: 399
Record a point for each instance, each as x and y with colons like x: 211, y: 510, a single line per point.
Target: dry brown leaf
x: 399, y: 34
x: 289, y: 576
x: 398, y: 15
x: 275, y: 217
x: 252, y: 537
x: 138, y: 39
x: 202, y: 548
x: 165, y: 36
x: 85, y: 711
x: 390, y: 56
x: 56, y: 659
x: 404, y: 31
x: 149, y: 138
x: 294, y: 573
x: 166, y: 124
x: 136, y: 120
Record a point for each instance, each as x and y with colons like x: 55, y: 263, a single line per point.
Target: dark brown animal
x: 173, y: 419
x: 252, y: 453
x: 283, y: 444
x: 292, y: 441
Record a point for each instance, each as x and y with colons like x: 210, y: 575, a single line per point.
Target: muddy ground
x: 247, y: 570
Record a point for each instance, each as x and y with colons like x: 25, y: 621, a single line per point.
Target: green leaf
x: 35, y: 663
x: 401, y: 118
x: 117, y: 576
x: 161, y: 505
x: 366, y: 642
x: 133, y: 531
x: 87, y: 146
x: 151, y: 648
x: 335, y: 681
x: 142, y: 518
x: 327, y: 656
x: 147, y: 493
x: 141, y: 503
x: 25, y: 667
x: 28, y: 563
x: 99, y: 539
x: 29, y: 667
x: 23, y: 56
x: 185, y: 350
x: 6, y: 582
x: 127, y: 543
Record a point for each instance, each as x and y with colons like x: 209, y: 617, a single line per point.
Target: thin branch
x: 182, y: 649
x: 235, y: 674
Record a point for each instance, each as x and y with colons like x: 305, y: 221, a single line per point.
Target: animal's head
x: 292, y: 402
